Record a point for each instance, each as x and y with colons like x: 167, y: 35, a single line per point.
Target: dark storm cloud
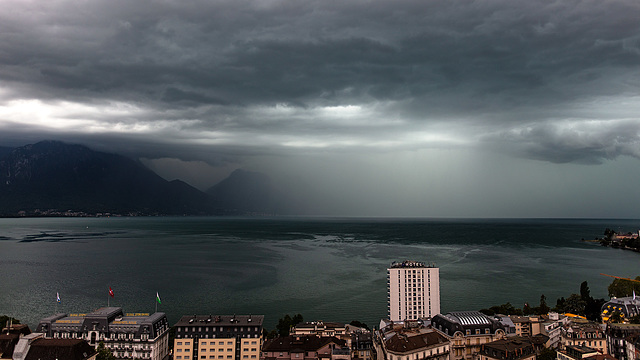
x: 496, y: 74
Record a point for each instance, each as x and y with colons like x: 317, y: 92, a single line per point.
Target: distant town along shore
x: 625, y: 241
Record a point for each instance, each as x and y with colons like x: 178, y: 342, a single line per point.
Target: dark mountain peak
x: 56, y: 175
x: 4, y: 151
x: 51, y: 148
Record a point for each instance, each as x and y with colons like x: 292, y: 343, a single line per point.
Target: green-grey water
x: 325, y: 269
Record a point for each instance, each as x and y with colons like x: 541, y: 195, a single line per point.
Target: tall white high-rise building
x: 414, y: 290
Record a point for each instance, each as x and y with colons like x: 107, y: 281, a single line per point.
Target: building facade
x: 220, y: 337
x: 361, y: 345
x: 413, y: 291
x: 585, y: 334
x: 468, y: 331
x: 127, y: 336
x: 527, y: 325
x: 553, y: 325
x: 633, y: 347
x: 617, y: 337
x: 571, y: 352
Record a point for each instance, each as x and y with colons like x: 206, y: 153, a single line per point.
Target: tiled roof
x: 407, y: 342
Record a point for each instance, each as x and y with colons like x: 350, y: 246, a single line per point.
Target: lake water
x: 325, y: 269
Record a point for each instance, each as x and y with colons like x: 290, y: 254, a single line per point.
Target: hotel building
x: 127, y: 336
x: 413, y: 291
x: 221, y: 337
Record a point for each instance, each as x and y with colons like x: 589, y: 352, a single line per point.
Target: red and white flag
x: 110, y: 291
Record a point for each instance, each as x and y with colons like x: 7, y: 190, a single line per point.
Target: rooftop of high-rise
x: 411, y: 264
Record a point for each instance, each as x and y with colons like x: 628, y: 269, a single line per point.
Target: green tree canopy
x: 543, y: 308
x: 359, y: 324
x: 104, y: 353
x: 574, y: 305
x: 622, y: 288
x: 285, y: 324
x: 4, y: 319
x: 585, y: 293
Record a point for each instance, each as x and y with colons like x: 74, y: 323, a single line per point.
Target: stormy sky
x: 364, y: 108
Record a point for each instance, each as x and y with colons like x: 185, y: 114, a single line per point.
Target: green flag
x: 158, y: 298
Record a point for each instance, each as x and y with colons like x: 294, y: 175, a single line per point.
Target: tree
x: 585, y: 293
x: 560, y: 304
x: 359, y: 324
x: 504, y: 309
x: 527, y: 310
x: 285, y: 324
x: 574, y: 305
x: 609, y: 234
x: 4, y: 320
x: 622, y: 288
x: 543, y: 308
x: 297, y: 319
x: 104, y: 353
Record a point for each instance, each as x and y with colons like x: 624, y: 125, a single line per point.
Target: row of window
x: 218, y: 336
x: 212, y: 357
x: 221, y: 328
x: 220, y: 342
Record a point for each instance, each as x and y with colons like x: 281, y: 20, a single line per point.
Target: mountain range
x: 55, y: 178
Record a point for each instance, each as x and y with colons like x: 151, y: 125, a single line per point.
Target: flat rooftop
x: 410, y: 264
x: 221, y: 320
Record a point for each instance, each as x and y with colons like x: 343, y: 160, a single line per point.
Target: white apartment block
x: 414, y: 291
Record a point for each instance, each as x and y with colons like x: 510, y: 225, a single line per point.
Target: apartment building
x: 219, y: 337
x: 584, y: 333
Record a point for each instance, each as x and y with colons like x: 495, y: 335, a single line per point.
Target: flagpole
x: 157, y: 300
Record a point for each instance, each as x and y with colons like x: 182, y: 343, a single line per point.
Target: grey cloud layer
x: 513, y: 76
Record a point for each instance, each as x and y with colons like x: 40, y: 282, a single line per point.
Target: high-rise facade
x: 413, y: 290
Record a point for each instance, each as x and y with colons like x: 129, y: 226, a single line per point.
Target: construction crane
x: 621, y: 278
